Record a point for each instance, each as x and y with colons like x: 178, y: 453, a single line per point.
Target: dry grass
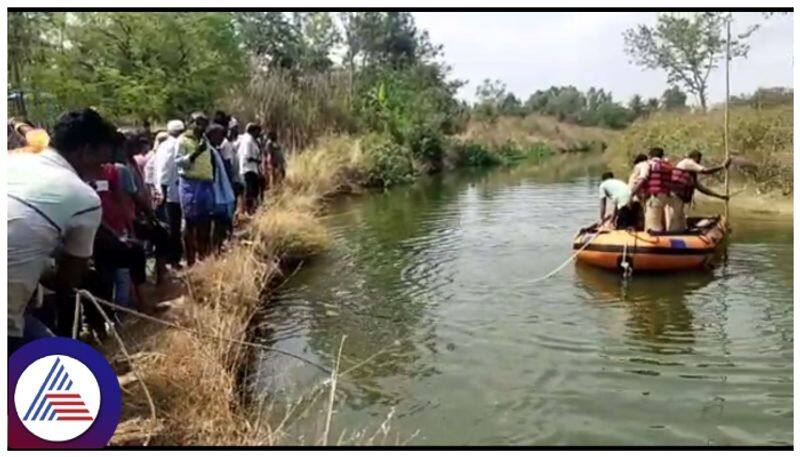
x: 193, y: 378
x: 535, y: 128
x: 333, y: 165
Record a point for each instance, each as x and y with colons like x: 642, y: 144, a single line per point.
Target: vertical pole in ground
x: 727, y: 99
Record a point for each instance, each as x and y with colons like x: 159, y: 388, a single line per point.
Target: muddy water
x: 433, y: 282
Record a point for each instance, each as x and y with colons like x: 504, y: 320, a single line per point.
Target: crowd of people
x: 657, y: 193
x: 90, y: 206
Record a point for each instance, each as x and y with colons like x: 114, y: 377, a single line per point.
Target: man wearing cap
x: 166, y: 178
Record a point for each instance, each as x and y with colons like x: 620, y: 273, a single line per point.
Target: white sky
x: 536, y: 50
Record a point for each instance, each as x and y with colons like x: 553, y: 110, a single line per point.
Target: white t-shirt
x: 49, y: 208
x: 226, y: 150
x: 166, y: 169
x: 617, y: 191
x: 247, y: 152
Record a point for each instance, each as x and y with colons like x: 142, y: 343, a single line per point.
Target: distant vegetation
x: 760, y: 137
x: 595, y: 107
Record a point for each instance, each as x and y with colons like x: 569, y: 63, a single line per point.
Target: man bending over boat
x: 684, y: 182
x: 619, y: 194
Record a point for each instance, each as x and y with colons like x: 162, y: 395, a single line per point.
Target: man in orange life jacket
x: 654, y: 184
x: 684, y: 182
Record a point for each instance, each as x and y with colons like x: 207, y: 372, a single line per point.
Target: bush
x: 387, y: 162
x: 427, y: 147
x: 472, y: 154
x: 763, y: 138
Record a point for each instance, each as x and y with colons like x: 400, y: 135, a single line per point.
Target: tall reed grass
x: 299, y: 107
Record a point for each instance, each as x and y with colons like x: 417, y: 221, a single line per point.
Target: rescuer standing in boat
x: 655, y: 183
x: 684, y: 182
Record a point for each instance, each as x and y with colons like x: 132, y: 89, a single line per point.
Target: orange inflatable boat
x: 646, y: 251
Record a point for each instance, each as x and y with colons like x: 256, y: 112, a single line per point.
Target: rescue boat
x: 652, y: 251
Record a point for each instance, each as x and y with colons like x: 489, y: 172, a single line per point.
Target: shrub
x: 427, y: 146
x: 386, y: 162
x: 762, y: 138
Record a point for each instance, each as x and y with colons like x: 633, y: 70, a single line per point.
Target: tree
x: 491, y: 95
x: 568, y: 105
x: 637, y: 106
x: 385, y: 38
x: 687, y: 47
x: 765, y: 97
x: 673, y: 98
x: 652, y: 105
x: 319, y: 35
x: 613, y: 115
x: 135, y: 66
x: 274, y: 40
x: 511, y: 105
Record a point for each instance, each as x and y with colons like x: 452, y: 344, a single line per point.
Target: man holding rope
x: 52, y: 209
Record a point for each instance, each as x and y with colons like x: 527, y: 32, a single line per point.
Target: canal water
x: 431, y: 284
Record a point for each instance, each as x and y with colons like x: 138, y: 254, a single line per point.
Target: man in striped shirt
x: 53, y: 215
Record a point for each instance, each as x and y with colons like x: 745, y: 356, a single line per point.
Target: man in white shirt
x: 166, y: 177
x: 52, y: 212
x: 684, y: 182
x: 249, y: 154
x: 619, y: 195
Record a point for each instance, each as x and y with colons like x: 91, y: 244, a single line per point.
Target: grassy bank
x: 536, y: 130
x: 760, y: 143
x: 193, y: 378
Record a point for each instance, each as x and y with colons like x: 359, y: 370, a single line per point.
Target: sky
x: 535, y: 50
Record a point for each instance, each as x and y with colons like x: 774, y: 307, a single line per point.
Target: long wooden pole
x: 727, y: 99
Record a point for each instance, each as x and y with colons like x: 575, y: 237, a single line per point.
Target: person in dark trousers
x: 224, y: 198
x: 167, y: 181
x: 249, y: 154
x: 617, y: 193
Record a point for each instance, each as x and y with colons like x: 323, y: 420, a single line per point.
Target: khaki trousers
x: 655, y: 210
x: 676, y: 215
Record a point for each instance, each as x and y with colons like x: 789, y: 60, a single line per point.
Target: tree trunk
x: 702, y: 95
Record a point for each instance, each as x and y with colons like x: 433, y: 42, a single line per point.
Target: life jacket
x: 682, y: 184
x: 660, y: 177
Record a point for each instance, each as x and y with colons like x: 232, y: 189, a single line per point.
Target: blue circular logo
x: 61, y: 394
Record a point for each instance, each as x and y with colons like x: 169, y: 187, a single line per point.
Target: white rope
x: 200, y: 334
x: 76, y: 323
x: 567, y: 262
x: 153, y: 416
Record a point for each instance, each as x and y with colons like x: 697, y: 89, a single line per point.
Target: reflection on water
x: 431, y: 283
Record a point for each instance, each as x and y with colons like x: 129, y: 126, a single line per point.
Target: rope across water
x: 566, y: 262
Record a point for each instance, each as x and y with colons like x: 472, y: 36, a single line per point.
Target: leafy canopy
x: 687, y: 46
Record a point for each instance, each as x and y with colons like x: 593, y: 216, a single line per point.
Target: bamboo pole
x: 727, y: 100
